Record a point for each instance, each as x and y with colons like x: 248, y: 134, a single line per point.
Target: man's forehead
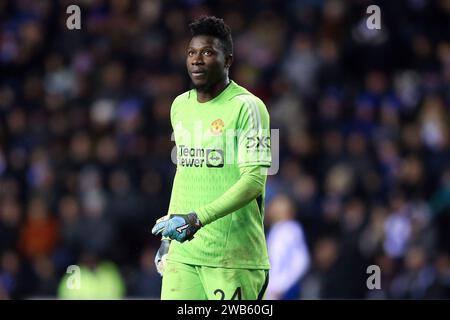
x: 204, y: 41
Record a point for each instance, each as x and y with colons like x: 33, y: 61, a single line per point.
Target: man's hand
x: 180, y: 227
x: 160, y: 258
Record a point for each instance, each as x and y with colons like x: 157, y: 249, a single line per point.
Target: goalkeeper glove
x: 161, y: 255
x: 180, y: 227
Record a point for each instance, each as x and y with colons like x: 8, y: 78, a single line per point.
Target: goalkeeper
x: 213, y: 243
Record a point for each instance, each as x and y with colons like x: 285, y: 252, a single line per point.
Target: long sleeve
x: 249, y: 186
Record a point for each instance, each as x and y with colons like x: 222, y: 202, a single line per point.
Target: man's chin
x: 200, y: 86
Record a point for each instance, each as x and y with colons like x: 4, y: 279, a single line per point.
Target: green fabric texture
x: 248, y: 187
x: 220, y: 145
x: 189, y: 282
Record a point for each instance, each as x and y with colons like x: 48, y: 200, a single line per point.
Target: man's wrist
x: 194, y: 220
x: 202, y: 216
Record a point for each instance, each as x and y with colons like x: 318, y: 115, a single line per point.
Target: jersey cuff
x: 203, y: 216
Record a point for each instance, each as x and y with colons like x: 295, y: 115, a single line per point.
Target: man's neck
x: 214, y: 91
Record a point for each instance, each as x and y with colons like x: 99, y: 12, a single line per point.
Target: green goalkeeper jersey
x: 213, y: 141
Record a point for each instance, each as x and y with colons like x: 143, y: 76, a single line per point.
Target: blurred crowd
x: 85, y: 142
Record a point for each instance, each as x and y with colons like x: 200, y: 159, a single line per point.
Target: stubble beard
x: 201, y: 87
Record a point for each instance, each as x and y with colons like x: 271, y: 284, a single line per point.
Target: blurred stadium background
x: 363, y: 115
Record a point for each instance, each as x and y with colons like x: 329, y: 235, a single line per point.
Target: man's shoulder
x: 242, y: 96
x: 248, y: 98
x: 183, y: 97
x: 249, y: 103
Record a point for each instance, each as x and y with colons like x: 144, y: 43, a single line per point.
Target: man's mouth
x: 198, y: 74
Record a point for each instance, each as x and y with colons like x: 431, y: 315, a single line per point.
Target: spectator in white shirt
x: 288, y: 251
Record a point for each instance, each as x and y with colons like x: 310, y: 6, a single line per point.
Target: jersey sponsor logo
x: 199, y: 157
x: 217, y: 127
x: 258, y: 142
x: 214, y: 158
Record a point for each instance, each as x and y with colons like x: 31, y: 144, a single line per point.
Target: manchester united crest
x: 217, y: 127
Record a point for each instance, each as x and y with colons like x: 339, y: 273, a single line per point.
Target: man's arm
x: 253, y: 159
x: 249, y: 186
x: 182, y: 227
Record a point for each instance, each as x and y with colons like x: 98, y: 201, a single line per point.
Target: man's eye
x: 207, y: 52
x: 190, y: 53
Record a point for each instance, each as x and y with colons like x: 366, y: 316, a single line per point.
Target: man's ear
x: 228, y: 61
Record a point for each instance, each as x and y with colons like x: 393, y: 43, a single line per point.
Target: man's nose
x: 197, y: 59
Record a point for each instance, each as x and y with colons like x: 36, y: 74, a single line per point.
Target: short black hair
x: 214, y: 27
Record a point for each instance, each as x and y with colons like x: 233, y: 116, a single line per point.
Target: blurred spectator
x: 10, y: 219
x: 305, y: 193
x: 301, y: 64
x: 351, y: 261
x: 99, y: 279
x: 46, y: 281
x: 320, y: 281
x: 127, y: 209
x: 440, y: 203
x: 416, y: 280
x: 388, y: 268
x: 146, y: 282
x: 372, y: 237
x: 397, y: 227
x: 289, y: 256
x: 97, y: 232
x: 38, y: 236
x: 14, y: 279
x: 441, y: 288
